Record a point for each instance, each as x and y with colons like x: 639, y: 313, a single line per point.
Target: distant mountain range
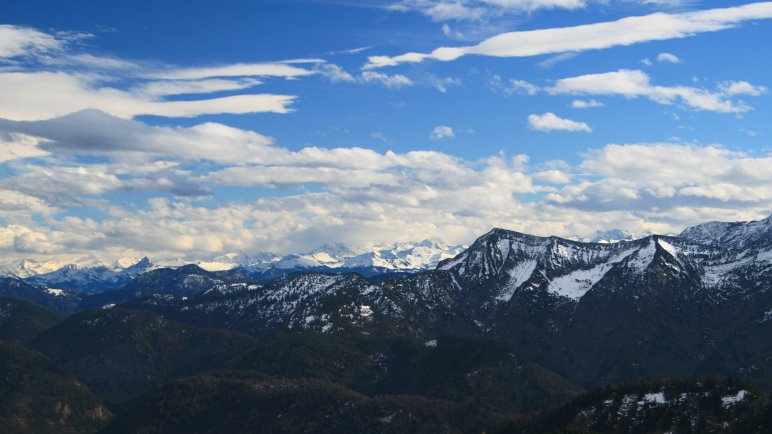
x: 94, y: 275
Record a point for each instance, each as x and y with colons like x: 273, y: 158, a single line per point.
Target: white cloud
x: 50, y: 78
x: 335, y: 73
x: 551, y: 122
x: 651, y: 176
x: 24, y: 41
x: 442, y: 83
x: 44, y: 95
x: 450, y: 33
x: 626, y: 31
x: 183, y: 87
x: 442, y: 132
x: 741, y: 88
x: 474, y: 10
x: 379, y: 136
x: 352, y: 50
x: 553, y: 176
x: 554, y: 60
x: 668, y: 57
x: 366, y: 196
x: 513, y: 87
x: 395, y: 81
x: 585, y: 103
x: 19, y: 146
x: 285, y: 70
x: 93, y: 132
x: 636, y: 83
x: 22, y: 207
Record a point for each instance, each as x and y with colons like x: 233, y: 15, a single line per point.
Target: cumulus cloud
x: 442, y: 132
x: 19, y: 146
x: 363, y: 196
x: 551, y: 122
x: 732, y: 88
x: 625, y: 31
x: 668, y: 57
x: 665, y: 176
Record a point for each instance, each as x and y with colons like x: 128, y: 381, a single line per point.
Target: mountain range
x: 513, y: 323
x: 93, y: 275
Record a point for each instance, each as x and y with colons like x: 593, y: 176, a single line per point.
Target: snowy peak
x: 27, y: 267
x: 491, y: 255
x: 504, y: 262
x: 405, y: 256
x: 735, y: 235
x: 233, y: 260
x: 335, y: 250
x: 612, y: 236
x: 93, y: 276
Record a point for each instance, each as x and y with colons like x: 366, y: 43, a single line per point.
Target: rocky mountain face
x: 56, y: 300
x: 184, y: 281
x: 731, y: 235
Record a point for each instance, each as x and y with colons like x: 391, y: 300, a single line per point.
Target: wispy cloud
x: 475, y: 10
x: 625, y: 31
x: 583, y: 103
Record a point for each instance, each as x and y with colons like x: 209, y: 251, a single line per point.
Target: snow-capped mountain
x: 93, y: 276
x: 372, y: 259
x: 615, y: 236
x: 732, y: 235
x: 404, y: 256
x: 666, y: 305
x: 595, y: 313
x: 29, y: 267
x: 230, y: 261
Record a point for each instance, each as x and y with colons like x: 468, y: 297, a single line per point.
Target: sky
x: 190, y: 129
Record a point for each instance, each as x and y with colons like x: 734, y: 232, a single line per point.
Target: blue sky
x: 192, y: 129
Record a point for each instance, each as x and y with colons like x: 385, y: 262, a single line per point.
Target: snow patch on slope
x: 575, y: 284
x: 517, y: 276
x: 643, y: 257
x: 668, y: 247
x: 732, y: 400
